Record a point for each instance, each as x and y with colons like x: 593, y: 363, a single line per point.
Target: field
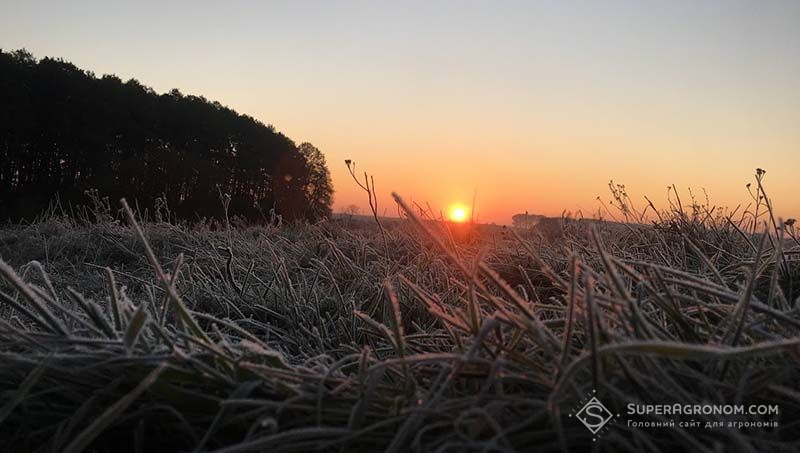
x: 120, y: 332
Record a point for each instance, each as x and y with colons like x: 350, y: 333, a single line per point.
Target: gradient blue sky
x: 533, y: 105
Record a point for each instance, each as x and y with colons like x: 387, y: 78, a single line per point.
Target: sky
x: 524, y: 106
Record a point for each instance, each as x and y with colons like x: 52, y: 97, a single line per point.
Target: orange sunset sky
x: 531, y: 105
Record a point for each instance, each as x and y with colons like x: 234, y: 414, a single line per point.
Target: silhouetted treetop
x: 526, y: 220
x: 63, y: 131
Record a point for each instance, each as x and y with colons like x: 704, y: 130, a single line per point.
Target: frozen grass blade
x: 135, y: 326
x: 19, y: 395
x: 85, y: 438
x: 38, y: 304
x: 180, y: 307
x: 114, y: 299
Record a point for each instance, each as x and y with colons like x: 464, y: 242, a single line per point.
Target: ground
x: 420, y: 335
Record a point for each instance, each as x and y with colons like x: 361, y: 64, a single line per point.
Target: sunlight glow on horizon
x: 458, y: 213
x: 529, y: 106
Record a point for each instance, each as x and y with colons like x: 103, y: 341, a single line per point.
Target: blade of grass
x: 88, y: 435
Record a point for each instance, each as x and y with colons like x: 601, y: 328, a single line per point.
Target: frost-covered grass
x: 117, y: 336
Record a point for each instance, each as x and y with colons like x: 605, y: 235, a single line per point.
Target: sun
x: 458, y: 213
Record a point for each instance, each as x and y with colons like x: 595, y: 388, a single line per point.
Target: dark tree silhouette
x: 526, y: 220
x: 318, y: 188
x: 64, y: 131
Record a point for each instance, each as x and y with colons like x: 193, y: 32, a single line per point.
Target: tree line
x: 64, y: 131
x: 526, y: 220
